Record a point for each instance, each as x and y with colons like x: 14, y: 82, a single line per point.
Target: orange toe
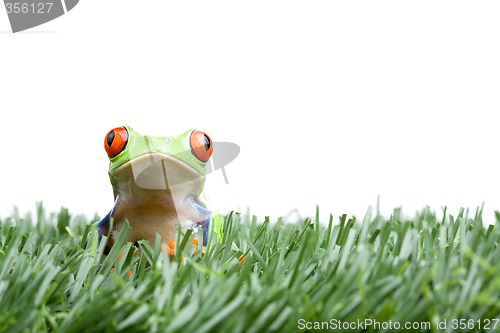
x: 171, y: 247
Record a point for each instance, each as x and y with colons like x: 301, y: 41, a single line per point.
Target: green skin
x: 156, y: 184
x: 139, y: 145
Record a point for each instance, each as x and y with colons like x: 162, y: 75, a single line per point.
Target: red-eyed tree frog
x: 156, y: 183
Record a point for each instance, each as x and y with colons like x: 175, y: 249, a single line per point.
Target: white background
x: 332, y: 103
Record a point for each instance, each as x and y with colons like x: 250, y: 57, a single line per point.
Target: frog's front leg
x: 103, y: 230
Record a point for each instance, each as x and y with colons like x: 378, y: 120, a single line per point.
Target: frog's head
x: 139, y: 162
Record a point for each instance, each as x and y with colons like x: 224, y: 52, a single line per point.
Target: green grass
x: 427, y: 269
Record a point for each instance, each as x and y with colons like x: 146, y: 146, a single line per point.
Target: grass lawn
x: 434, y: 272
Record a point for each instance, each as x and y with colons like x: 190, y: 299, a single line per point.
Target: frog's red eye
x: 201, y: 145
x: 115, y: 141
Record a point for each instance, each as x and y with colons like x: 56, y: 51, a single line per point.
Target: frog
x: 157, y: 183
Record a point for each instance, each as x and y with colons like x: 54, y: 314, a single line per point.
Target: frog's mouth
x: 156, y: 171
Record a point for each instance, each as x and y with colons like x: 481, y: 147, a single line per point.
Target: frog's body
x: 156, y: 184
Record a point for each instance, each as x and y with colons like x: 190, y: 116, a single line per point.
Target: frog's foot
x: 194, y: 215
x: 170, y: 248
x: 129, y: 273
x: 203, y: 225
